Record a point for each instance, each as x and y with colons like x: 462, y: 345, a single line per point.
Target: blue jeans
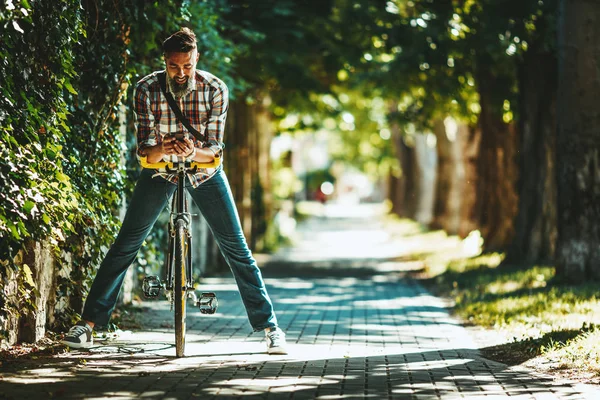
x: 215, y: 201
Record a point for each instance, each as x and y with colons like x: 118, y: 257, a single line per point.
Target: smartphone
x: 179, y: 136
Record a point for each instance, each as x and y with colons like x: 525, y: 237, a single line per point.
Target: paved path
x: 358, y: 329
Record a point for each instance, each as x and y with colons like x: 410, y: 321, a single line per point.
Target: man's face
x: 181, y: 66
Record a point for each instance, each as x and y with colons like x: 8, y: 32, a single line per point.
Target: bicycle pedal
x: 151, y: 287
x: 208, y: 303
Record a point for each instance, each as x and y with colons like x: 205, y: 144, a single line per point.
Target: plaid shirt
x: 205, y: 106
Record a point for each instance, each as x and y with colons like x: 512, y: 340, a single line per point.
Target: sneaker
x: 79, y: 336
x: 276, y: 341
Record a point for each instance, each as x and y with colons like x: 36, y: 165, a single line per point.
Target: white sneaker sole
x: 277, y: 350
x: 77, y: 345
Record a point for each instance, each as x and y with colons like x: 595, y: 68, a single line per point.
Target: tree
x: 285, y: 57
x: 444, y: 58
x: 535, y: 224
x: 578, y: 141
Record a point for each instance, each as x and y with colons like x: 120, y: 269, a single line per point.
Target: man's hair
x: 182, y: 41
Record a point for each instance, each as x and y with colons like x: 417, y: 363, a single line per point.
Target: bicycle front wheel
x: 180, y: 290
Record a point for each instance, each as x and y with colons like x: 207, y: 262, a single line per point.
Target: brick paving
x: 357, y: 326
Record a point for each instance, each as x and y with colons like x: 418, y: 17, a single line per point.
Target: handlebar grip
x: 168, y: 164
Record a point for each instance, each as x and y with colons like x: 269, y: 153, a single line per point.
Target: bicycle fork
x: 152, y: 286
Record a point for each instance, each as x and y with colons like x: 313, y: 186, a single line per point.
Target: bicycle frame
x: 180, y: 217
x: 179, y: 284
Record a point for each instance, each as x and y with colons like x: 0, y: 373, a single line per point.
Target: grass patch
x: 540, y: 316
x: 527, y: 301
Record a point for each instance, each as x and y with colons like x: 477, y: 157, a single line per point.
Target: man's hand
x: 174, y: 147
x: 181, y: 148
x: 169, y: 146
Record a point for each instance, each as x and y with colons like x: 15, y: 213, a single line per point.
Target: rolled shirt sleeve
x: 215, y: 127
x: 144, y: 119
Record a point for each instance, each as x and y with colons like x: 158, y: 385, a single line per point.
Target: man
x: 203, y: 98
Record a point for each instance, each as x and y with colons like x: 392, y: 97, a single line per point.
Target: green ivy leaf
x: 22, y: 229
x: 69, y: 87
x: 13, y: 230
x: 28, y: 275
x: 65, y: 126
x: 62, y: 177
x: 28, y: 206
x: 50, y: 153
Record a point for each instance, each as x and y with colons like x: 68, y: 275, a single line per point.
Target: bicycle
x: 178, y: 284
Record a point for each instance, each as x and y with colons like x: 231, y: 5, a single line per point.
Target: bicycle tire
x: 180, y: 294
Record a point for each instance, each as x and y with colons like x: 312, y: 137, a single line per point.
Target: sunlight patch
x: 430, y: 365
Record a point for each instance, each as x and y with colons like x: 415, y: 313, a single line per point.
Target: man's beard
x: 180, y: 89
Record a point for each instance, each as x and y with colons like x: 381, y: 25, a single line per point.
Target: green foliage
x: 362, y: 135
x: 421, y: 60
x: 37, y: 198
x: 286, y: 46
x: 285, y: 183
x: 431, y: 56
x: 94, y: 143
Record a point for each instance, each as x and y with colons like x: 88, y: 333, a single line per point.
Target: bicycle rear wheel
x: 179, y: 288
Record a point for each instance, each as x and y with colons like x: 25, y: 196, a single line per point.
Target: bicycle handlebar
x: 172, y: 164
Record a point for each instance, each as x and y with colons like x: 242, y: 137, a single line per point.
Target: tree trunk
x: 426, y: 168
x: 248, y: 138
x: 397, y: 181
x: 578, y: 141
x: 450, y: 177
x: 37, y: 266
x: 496, y: 195
x: 535, y: 224
x: 469, y: 138
x: 262, y: 200
x: 237, y: 161
x: 395, y: 193
x: 126, y: 294
x: 444, y: 175
x: 408, y: 181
